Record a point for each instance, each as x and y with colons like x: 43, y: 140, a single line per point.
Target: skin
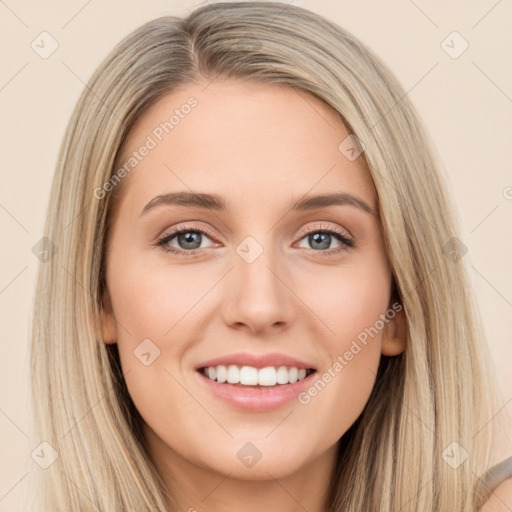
x: 501, y: 498
x: 262, y: 147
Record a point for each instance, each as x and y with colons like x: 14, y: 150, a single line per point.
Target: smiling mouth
x: 259, y: 378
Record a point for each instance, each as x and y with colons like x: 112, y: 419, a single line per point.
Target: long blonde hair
x: 436, y: 393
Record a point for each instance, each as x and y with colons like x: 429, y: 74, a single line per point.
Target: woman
x: 202, y: 351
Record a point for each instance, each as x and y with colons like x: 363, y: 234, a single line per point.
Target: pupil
x: 323, y: 238
x: 191, y: 237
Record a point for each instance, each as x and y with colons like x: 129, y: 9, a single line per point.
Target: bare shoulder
x: 501, y: 498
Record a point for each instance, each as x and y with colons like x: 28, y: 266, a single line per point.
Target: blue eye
x: 321, y: 239
x: 188, y: 237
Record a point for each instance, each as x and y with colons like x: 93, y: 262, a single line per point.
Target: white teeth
x: 222, y: 374
x: 282, y: 375
x: 267, y: 376
x: 250, y: 376
x: 233, y: 374
x: 212, y: 372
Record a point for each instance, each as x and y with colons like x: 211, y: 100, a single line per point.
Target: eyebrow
x: 219, y: 203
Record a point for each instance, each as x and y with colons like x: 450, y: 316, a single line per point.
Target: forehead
x: 254, y: 143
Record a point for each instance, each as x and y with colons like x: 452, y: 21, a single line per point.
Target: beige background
x: 465, y: 102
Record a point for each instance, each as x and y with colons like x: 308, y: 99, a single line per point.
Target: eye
x: 321, y: 237
x: 188, y: 238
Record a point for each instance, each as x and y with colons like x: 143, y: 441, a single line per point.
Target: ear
x: 107, y: 321
x: 395, y: 332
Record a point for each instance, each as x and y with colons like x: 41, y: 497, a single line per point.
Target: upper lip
x: 256, y: 360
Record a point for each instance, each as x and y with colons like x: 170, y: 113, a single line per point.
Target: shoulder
x: 500, y: 499
x: 497, y: 482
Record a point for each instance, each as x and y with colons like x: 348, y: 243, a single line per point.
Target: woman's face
x: 251, y: 275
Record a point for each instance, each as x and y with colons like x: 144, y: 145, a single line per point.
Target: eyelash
x: 346, y: 242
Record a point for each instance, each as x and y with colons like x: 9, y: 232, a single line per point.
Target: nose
x: 258, y: 297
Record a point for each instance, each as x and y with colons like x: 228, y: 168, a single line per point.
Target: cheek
x: 151, y: 306
x: 350, y: 304
x: 149, y: 300
x: 348, y: 300
x: 158, y: 310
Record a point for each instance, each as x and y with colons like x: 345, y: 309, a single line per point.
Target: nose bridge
x: 258, y: 296
x: 254, y: 266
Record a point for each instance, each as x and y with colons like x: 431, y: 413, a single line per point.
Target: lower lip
x: 256, y: 399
